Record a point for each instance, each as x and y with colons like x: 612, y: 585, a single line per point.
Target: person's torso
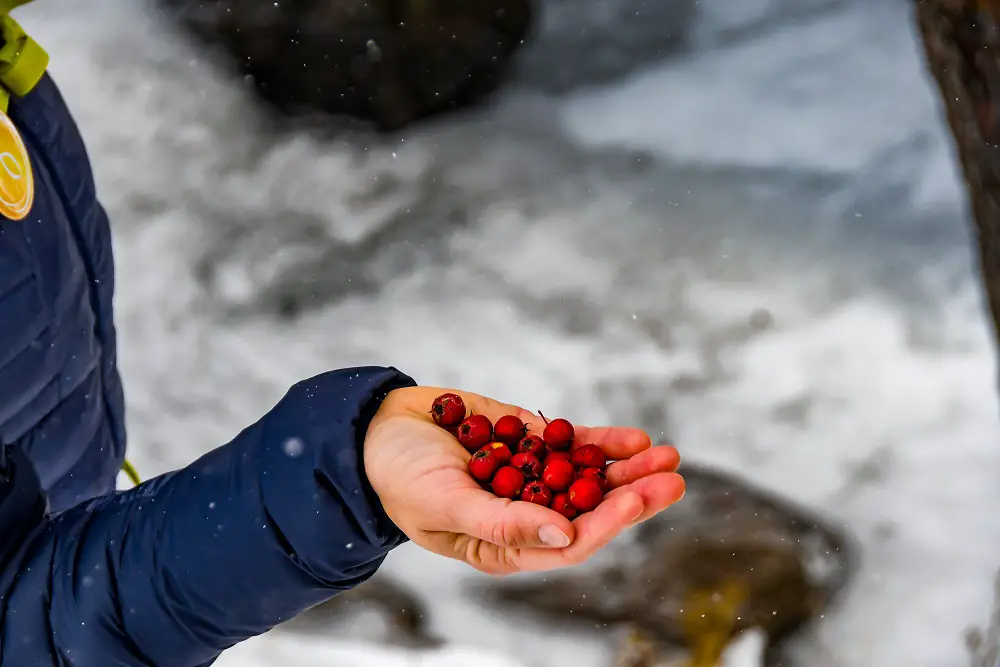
x: 60, y: 392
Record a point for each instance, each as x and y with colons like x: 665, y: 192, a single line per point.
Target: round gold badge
x: 17, y: 182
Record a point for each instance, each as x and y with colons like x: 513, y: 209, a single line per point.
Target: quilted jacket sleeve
x: 190, y: 563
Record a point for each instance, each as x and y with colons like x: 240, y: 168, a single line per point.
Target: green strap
x: 131, y: 472
x: 22, y: 61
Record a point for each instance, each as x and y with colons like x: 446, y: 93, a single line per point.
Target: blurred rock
x: 400, y: 617
x: 728, y: 559
x: 388, y: 61
x: 984, y: 644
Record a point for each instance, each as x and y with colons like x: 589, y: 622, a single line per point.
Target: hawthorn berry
x: 558, y: 434
x: 558, y: 475
x: 509, y: 430
x: 536, y: 492
x: 483, y: 465
x: 529, y: 465
x: 532, y: 444
x: 585, y: 494
x: 501, y: 451
x: 596, y: 474
x: 560, y: 503
x: 448, y: 410
x: 551, y: 455
x: 508, y: 482
x: 589, y: 456
x: 474, y: 432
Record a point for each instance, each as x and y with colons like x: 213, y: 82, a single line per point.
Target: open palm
x: 419, y: 472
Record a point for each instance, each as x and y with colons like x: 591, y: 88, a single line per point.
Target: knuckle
x: 508, y: 562
x: 493, y: 525
x: 500, y: 535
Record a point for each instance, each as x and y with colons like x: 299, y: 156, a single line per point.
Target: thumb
x: 512, y: 524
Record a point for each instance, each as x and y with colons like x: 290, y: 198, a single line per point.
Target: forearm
x: 177, y: 570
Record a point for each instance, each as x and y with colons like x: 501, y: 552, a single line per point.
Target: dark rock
x: 388, y: 61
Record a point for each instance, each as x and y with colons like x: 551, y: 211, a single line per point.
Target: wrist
x: 373, y: 414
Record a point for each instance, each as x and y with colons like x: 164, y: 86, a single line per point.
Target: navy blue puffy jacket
x: 171, y: 573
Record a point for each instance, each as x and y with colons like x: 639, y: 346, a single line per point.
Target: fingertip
x: 545, y: 526
x: 662, y: 489
x: 551, y: 517
x: 670, y: 456
x: 633, y: 439
x: 655, y: 460
x: 680, y: 486
x: 618, y: 442
x: 552, y: 537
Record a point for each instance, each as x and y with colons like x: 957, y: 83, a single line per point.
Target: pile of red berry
x: 547, y: 470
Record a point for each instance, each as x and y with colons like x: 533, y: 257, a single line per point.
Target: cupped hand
x: 419, y: 472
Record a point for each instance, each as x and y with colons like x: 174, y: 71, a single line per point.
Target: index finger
x: 494, y: 410
x: 618, y: 442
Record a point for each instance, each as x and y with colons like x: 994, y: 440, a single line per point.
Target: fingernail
x: 553, y: 537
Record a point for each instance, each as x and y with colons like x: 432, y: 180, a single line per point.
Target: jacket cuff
x: 383, y: 524
x: 317, y: 433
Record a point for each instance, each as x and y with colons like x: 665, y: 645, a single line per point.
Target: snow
x: 345, y: 653
x: 602, y: 254
x: 803, y: 97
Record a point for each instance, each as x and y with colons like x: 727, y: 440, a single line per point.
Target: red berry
x: 474, y: 432
x: 507, y: 482
x: 558, y: 475
x: 561, y: 504
x: 538, y: 493
x: 596, y: 474
x: 589, y: 456
x: 558, y: 434
x: 585, y: 494
x: 500, y: 451
x: 482, y: 465
x: 529, y: 465
x: 509, y: 430
x: 551, y: 455
x: 448, y: 410
x: 532, y: 444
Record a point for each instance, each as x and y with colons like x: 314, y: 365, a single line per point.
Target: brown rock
x: 728, y: 558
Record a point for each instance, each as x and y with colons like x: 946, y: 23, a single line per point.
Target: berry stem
x: 543, y: 418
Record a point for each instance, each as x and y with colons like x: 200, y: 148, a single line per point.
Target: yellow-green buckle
x: 22, y: 61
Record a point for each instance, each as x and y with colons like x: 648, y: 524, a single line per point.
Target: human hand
x: 419, y: 472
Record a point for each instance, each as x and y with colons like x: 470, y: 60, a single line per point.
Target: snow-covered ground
x: 609, y: 254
